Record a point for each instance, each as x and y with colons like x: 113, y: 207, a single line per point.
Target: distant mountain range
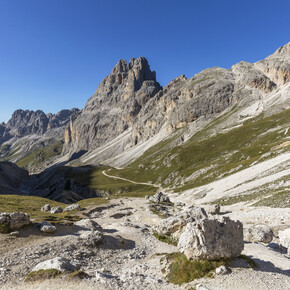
x: 189, y: 133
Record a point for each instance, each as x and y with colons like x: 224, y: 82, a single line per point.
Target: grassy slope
x: 220, y: 154
x: 33, y: 204
x: 95, y: 179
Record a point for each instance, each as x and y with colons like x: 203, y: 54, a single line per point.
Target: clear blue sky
x: 54, y: 53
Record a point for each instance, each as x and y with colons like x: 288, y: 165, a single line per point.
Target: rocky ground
x: 129, y: 256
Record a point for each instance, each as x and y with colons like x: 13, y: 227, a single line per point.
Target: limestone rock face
x: 211, y: 239
x: 259, y: 233
x: 277, y: 66
x: 159, y: 197
x: 114, y: 106
x: 58, y: 263
x: 144, y: 109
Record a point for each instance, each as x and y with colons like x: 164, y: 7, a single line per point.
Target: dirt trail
x: 131, y: 181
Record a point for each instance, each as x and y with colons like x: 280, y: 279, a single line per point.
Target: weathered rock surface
x: 211, y: 239
x: 114, y: 107
x: 259, y: 233
x: 174, y: 226
x: 72, y: 207
x: 14, y: 221
x: 58, y: 263
x: 91, y: 239
x: 47, y: 227
x: 159, y: 197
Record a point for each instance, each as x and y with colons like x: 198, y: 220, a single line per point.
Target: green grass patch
x: 182, y: 270
x: 41, y: 275
x: 165, y: 239
x: 78, y: 274
x: 32, y: 205
x: 221, y: 154
x: 94, y: 178
x: 35, y: 157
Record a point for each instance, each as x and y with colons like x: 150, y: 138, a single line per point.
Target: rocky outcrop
x: 277, y: 66
x: 144, y: 109
x: 114, y: 107
x: 212, y: 239
x: 160, y: 197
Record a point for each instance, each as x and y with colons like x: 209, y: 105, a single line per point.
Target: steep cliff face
x: 114, y: 107
x: 131, y: 100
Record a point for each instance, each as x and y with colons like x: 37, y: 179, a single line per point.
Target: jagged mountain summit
x: 114, y: 107
x: 29, y: 131
x: 130, y: 112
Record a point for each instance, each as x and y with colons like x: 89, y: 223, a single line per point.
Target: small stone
x: 46, y: 207
x: 57, y: 263
x: 72, y: 207
x: 56, y: 209
x: 15, y: 234
x: 47, y: 227
x: 222, y: 270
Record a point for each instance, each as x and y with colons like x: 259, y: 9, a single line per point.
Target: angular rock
x: 15, y: 234
x: 46, y: 207
x: 174, y: 226
x: 159, y: 197
x: 58, y: 263
x: 56, y: 209
x: 89, y: 224
x: 91, y: 239
x: 212, y: 239
x: 72, y: 207
x: 47, y: 227
x: 259, y: 233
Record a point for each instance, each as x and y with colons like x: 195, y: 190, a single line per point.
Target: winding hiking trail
x: 131, y: 181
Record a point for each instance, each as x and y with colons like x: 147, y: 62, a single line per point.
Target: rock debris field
x: 116, y: 247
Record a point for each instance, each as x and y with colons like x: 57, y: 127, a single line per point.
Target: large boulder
x: 259, y: 233
x: 174, y: 226
x: 58, y: 263
x: 212, y: 239
x: 14, y: 221
x: 284, y: 238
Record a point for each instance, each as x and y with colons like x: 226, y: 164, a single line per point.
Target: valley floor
x: 130, y: 255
